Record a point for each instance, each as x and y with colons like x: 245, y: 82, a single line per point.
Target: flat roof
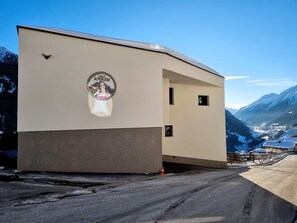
x: 126, y: 43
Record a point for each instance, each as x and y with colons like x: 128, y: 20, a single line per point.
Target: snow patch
x: 241, y: 138
x: 12, y: 88
x: 7, y: 85
x: 6, y: 56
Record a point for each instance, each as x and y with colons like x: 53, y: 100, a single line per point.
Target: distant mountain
x: 232, y: 110
x: 8, y: 107
x: 7, y: 57
x: 238, y: 135
x: 272, y: 108
x: 8, y: 90
x: 287, y: 118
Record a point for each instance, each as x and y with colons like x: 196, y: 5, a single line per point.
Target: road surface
x: 256, y: 194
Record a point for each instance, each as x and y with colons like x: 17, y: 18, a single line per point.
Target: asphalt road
x: 257, y: 194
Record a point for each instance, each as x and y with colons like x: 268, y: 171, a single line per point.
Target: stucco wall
x: 52, y: 93
x: 198, y: 131
x: 59, y: 83
x: 53, y: 97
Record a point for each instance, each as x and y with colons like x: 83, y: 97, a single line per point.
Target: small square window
x: 171, y: 96
x: 203, y: 100
x: 168, y: 130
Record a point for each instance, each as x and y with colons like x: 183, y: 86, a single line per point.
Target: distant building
x: 93, y: 104
x: 286, y: 144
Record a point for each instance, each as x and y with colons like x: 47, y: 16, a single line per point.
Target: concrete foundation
x: 194, y: 161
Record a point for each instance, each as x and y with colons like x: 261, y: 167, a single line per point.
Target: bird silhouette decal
x: 46, y: 56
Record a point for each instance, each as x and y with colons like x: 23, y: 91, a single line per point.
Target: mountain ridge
x: 271, y: 108
x: 238, y: 135
x: 7, y: 56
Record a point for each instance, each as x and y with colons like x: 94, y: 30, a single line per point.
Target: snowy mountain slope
x: 7, y: 57
x: 292, y: 132
x: 264, y: 100
x: 6, y: 85
x: 232, y: 110
x: 8, y: 90
x: 270, y: 109
x: 8, y: 107
x: 288, y: 97
x: 287, y: 118
x: 238, y: 135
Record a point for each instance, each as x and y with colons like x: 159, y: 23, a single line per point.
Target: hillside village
x: 272, y: 117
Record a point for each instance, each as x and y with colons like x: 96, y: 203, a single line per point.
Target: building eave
x: 132, y: 44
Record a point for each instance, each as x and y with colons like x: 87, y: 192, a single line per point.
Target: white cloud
x: 235, y: 77
x: 281, y: 82
x: 254, y: 81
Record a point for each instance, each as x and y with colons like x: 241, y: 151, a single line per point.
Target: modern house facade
x: 93, y: 104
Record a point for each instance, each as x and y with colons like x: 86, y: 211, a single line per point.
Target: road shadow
x: 232, y: 199
x: 216, y: 195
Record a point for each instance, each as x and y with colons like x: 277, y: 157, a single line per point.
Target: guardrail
x: 256, y: 158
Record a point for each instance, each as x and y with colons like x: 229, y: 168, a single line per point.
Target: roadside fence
x: 256, y: 158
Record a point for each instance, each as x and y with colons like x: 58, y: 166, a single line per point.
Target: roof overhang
x: 137, y: 45
x: 177, y: 78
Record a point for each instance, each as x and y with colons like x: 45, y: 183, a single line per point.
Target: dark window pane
x: 203, y: 100
x: 168, y: 130
x: 171, y: 96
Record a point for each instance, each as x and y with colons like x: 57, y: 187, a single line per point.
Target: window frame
x: 203, y: 100
x: 170, y: 129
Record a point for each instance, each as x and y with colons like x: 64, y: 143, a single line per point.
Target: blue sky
x: 252, y: 43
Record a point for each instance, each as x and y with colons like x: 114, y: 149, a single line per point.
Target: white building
x: 154, y: 105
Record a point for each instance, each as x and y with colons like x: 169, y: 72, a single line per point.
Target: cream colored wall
x: 52, y: 94
x: 166, y: 106
x: 198, y: 131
